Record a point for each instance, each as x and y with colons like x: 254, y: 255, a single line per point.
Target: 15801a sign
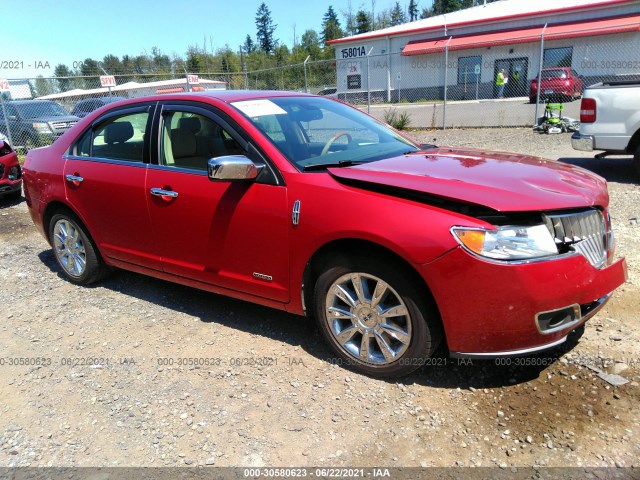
x: 354, y: 52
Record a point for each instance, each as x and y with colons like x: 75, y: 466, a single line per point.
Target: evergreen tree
x: 265, y: 29
x: 62, y: 70
x: 248, y: 46
x: 363, y: 22
x: 330, y: 26
x: 413, y: 10
x: 397, y: 15
x: 446, y: 6
x: 111, y: 64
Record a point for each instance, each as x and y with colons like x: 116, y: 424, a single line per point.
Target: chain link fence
x: 455, y: 82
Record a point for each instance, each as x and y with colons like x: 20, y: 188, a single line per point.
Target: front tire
x: 636, y: 161
x: 374, y: 318
x: 74, y: 250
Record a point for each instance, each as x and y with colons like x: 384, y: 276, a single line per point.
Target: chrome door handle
x: 74, y: 178
x: 159, y: 192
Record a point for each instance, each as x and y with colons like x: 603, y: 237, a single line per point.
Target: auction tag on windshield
x: 258, y: 108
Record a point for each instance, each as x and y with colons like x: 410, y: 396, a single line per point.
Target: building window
x: 469, y: 70
x: 557, y: 57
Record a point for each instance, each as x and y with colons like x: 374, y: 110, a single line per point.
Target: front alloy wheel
x: 368, y: 318
x: 375, y: 317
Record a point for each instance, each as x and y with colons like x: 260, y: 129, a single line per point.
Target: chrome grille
x: 585, y: 232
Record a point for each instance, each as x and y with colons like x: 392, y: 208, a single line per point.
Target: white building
x: 597, y: 38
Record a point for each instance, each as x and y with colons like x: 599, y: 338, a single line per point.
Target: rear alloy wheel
x: 74, y: 250
x: 374, y: 319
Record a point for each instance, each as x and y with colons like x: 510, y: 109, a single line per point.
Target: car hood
x: 504, y: 182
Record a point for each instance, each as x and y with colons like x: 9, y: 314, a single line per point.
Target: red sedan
x: 305, y: 204
x: 10, y: 172
x: 561, y: 83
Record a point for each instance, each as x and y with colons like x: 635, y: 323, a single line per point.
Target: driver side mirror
x: 232, y: 168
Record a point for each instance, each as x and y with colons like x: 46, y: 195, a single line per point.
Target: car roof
x: 227, y: 96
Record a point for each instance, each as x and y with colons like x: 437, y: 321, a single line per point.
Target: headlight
x: 41, y: 127
x: 508, y: 243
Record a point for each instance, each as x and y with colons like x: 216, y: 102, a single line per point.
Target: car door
x: 230, y: 234
x: 105, y: 184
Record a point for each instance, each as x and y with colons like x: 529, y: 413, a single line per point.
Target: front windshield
x: 41, y: 109
x: 313, y: 131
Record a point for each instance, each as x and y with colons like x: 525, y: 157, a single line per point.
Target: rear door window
x: 119, y: 137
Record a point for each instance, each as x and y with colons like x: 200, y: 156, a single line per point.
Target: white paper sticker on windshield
x: 258, y: 108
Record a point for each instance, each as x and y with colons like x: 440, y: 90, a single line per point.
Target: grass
x: 398, y: 120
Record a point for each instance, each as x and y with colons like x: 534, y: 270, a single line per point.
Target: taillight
x: 588, y: 110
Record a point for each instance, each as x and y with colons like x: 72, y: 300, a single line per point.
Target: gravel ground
x: 140, y: 372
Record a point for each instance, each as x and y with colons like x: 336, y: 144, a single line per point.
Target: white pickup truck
x: 610, y: 120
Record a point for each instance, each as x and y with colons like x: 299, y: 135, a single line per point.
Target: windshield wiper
x: 324, y: 166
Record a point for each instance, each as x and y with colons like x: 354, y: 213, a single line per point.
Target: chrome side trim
x: 106, y: 160
x: 524, y: 351
x: 295, y: 214
x: 262, y: 276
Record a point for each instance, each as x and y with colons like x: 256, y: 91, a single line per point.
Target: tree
x: 310, y: 43
x: 89, y: 68
x: 363, y: 22
x: 330, y: 27
x: 446, y: 6
x: 265, y: 29
x: 42, y: 86
x: 196, y: 61
x: 111, y: 64
x: 350, y: 19
x: 397, y: 15
x: 161, y: 61
x: 248, y: 46
x: 413, y: 10
x: 61, y: 71
x: 383, y: 19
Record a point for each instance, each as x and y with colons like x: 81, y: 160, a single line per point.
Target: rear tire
x: 374, y: 318
x: 636, y: 162
x: 74, y: 250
